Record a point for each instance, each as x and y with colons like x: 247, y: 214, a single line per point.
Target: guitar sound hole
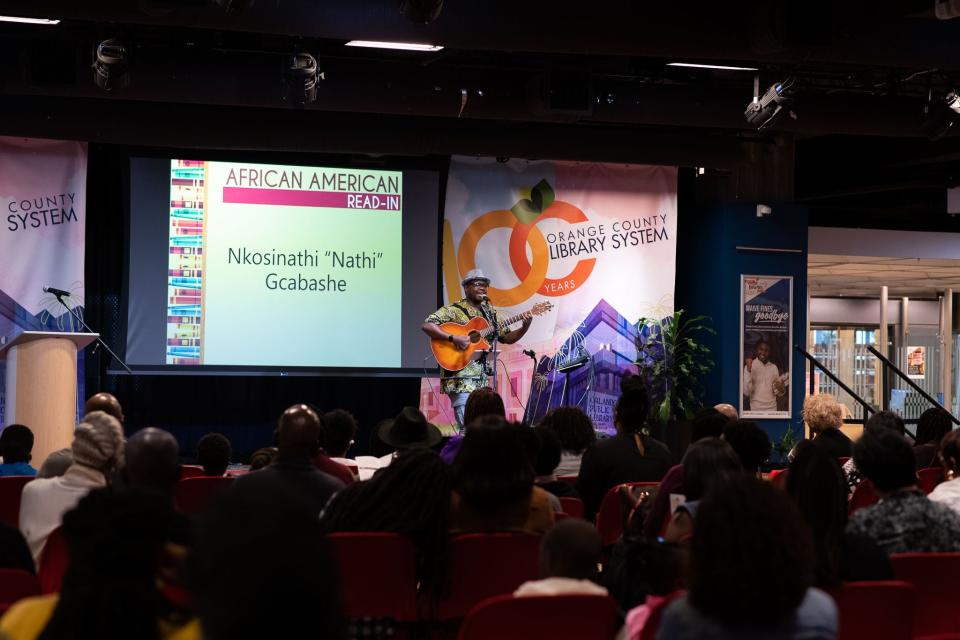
x: 474, y: 337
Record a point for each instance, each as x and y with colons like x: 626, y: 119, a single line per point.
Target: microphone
x: 485, y: 298
x: 530, y: 352
x: 56, y: 292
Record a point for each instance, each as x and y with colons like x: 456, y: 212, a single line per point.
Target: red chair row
x: 555, y: 617
x: 865, y: 494
x: 610, y: 516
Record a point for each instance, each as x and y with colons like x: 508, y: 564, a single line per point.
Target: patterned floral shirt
x: 471, y: 377
x: 907, y: 522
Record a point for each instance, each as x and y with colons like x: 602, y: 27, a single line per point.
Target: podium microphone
x: 56, y: 292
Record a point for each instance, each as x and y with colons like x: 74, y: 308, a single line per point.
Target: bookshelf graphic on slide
x: 185, y: 266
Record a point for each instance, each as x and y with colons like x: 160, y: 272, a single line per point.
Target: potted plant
x: 672, y: 363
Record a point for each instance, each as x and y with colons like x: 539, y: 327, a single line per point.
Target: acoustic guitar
x: 453, y: 359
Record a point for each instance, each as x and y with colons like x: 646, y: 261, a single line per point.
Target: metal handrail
x: 888, y: 364
x: 867, y: 408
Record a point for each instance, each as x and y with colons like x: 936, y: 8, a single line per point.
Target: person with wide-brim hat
x: 408, y: 430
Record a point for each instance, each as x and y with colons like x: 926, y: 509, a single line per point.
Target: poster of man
x: 765, y: 339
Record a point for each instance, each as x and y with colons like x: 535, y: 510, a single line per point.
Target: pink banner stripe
x: 297, y: 198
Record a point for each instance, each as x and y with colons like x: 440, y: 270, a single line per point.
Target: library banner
x: 42, y: 228
x: 597, y: 241
x: 766, y: 336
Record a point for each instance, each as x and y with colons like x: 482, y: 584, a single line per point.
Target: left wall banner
x: 43, y: 195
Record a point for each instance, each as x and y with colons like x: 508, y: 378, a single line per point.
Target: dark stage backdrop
x: 244, y: 408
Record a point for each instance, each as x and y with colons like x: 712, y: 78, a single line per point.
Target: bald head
x: 105, y: 402
x: 298, y: 432
x: 727, y: 409
x: 153, y: 461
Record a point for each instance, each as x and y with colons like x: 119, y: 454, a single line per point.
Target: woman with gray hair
x: 97, y: 450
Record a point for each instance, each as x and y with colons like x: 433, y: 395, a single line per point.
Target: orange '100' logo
x: 533, y: 277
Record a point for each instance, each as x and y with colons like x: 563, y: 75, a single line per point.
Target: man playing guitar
x: 458, y: 384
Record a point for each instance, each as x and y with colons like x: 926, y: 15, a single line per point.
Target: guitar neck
x: 506, y: 323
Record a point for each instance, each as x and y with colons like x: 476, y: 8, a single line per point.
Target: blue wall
x: 708, y: 283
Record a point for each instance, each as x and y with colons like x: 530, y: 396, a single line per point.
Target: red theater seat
x: 554, y: 617
x: 571, y: 480
x: 882, y: 609
x: 935, y: 577
x: 572, y: 506
x: 10, y: 489
x: 611, y: 513
x: 930, y: 478
x: 191, y: 471
x: 863, y: 496
x: 53, y: 564
x: 483, y: 565
x: 194, y: 494
x: 16, y: 584
x: 378, y: 575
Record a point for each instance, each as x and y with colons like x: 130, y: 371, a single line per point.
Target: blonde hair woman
x: 824, y: 415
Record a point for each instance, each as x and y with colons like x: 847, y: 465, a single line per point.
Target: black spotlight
x: 300, y: 78
x: 421, y: 11
x: 763, y: 112
x: 111, y: 65
x: 941, y: 116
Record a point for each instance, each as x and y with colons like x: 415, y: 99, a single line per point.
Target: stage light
x: 301, y: 75
x: 22, y: 20
x: 402, y: 46
x: 953, y: 102
x: 421, y: 11
x: 762, y: 112
x: 111, y: 65
x: 941, y: 116
x: 720, y: 67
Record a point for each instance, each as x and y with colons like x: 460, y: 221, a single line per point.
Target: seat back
x: 778, y: 477
x: 194, y: 494
x: 191, y: 471
x: 611, y: 513
x: 935, y: 578
x: 652, y: 625
x: 10, y: 489
x: 882, y: 609
x: 569, y: 617
x: 929, y: 478
x: 483, y: 565
x: 572, y: 506
x: 16, y: 584
x: 570, y: 480
x: 53, y: 563
x: 863, y: 496
x: 378, y: 574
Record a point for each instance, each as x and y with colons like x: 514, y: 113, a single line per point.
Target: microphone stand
x: 76, y: 317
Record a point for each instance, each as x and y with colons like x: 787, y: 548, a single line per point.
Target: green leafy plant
x: 672, y: 362
x: 784, y: 445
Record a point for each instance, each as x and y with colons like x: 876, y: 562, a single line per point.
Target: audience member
x: 322, y: 459
x: 880, y: 420
x: 262, y: 458
x: 933, y: 425
x: 545, y: 468
x: 16, y: 443
x: 493, y: 482
x: 905, y: 519
x: 660, y: 567
x: 816, y: 484
x: 56, y: 464
x: 105, y: 402
x: 948, y: 492
x: 569, y: 554
x: 481, y: 402
x: 630, y: 456
x: 14, y: 552
x: 293, y: 471
x: 576, y: 433
x: 707, y: 423
x: 213, y: 454
x: 97, y: 449
x: 339, y: 430
x: 824, y: 415
x: 750, y: 442
x: 751, y: 571
x: 728, y: 410
x: 152, y: 462
x: 116, y: 541
x: 531, y: 444
x: 709, y: 463
x: 410, y: 497
x: 408, y: 430
x: 271, y: 575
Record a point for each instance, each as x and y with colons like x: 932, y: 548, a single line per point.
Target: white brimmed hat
x: 474, y: 275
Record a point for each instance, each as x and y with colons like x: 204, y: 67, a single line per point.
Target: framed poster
x: 766, y: 339
x: 916, y: 363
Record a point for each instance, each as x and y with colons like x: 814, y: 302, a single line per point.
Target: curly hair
x: 743, y: 535
x: 934, y: 423
x: 572, y: 426
x: 483, y: 402
x: 213, y: 454
x: 822, y: 411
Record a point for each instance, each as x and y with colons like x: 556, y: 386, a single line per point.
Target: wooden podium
x: 41, y: 389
